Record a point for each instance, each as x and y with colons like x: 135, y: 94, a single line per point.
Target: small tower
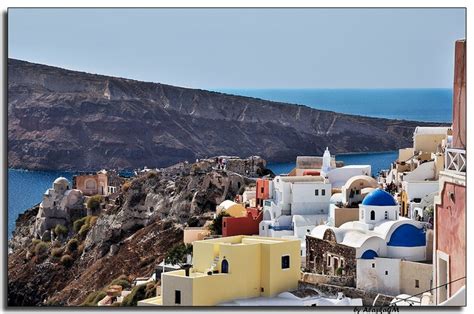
x: 326, y: 162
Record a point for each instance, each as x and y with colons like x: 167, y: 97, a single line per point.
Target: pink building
x: 450, y: 208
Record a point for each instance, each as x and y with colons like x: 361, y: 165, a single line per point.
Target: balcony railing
x: 280, y: 228
x: 455, y: 159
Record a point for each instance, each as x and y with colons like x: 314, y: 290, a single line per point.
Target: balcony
x: 455, y: 160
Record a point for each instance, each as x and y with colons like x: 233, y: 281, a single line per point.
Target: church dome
x: 379, y: 197
x: 61, y: 181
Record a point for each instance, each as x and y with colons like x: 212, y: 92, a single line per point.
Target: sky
x: 246, y: 48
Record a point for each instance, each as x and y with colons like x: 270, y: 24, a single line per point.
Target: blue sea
x: 378, y: 161
x: 427, y: 104
x: 25, y: 188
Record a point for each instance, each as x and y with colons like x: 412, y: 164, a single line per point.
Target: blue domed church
x: 379, y: 237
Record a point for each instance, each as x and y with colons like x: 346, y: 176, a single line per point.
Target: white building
x: 379, y: 233
x: 297, y: 204
x: 420, y: 195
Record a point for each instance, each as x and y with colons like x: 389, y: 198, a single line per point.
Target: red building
x: 450, y: 209
x: 242, y: 225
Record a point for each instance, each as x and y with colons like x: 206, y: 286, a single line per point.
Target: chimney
x: 186, y: 268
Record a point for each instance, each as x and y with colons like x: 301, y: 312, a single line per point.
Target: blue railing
x: 280, y: 228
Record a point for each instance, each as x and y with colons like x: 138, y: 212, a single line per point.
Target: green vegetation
x: 151, y: 174
x: 83, y: 225
x: 57, y: 252
x: 60, y: 230
x: 93, y: 202
x: 76, y: 226
x: 339, y: 271
x: 121, y: 282
x: 93, y: 298
x: 41, y: 249
x: 72, y: 245
x: 138, y: 293
x: 177, y: 254
x: 67, y: 260
x: 150, y: 290
x: 216, y: 226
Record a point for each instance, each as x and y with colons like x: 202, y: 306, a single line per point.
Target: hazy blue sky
x: 246, y: 48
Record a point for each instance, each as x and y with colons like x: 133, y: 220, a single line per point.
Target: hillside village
x: 323, y: 234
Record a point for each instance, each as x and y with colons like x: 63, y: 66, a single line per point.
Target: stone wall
x: 350, y: 292
x: 326, y: 279
x: 317, y: 250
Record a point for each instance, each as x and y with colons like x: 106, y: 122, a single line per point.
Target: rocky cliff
x: 129, y: 237
x: 61, y: 119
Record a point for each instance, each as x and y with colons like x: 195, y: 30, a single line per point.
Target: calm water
x: 432, y: 105
x: 378, y: 161
x: 25, y: 188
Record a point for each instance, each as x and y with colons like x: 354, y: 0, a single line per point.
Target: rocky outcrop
x: 60, y: 119
x: 173, y: 194
x: 130, y: 237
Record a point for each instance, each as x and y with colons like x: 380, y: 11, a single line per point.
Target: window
x: 417, y: 283
x: 342, y: 263
x: 225, y: 266
x: 262, y: 189
x: 91, y: 184
x: 372, y: 215
x: 263, y: 227
x: 357, y: 192
x: 386, y: 214
x: 329, y: 260
x: 316, y: 192
x: 285, y: 262
x: 386, y: 272
x: 373, y: 265
x: 323, y: 192
x: 177, y: 297
x: 224, y: 224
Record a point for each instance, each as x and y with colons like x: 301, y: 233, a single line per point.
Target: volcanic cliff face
x: 129, y: 237
x: 61, y: 119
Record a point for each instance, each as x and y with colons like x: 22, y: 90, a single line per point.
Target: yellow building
x: 191, y: 234
x: 430, y: 139
x: 230, y: 268
x: 232, y: 208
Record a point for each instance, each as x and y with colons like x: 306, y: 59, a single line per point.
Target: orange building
x: 263, y: 191
x: 100, y: 183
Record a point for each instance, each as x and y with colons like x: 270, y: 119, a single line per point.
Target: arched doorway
x: 372, y: 215
x: 225, y: 266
